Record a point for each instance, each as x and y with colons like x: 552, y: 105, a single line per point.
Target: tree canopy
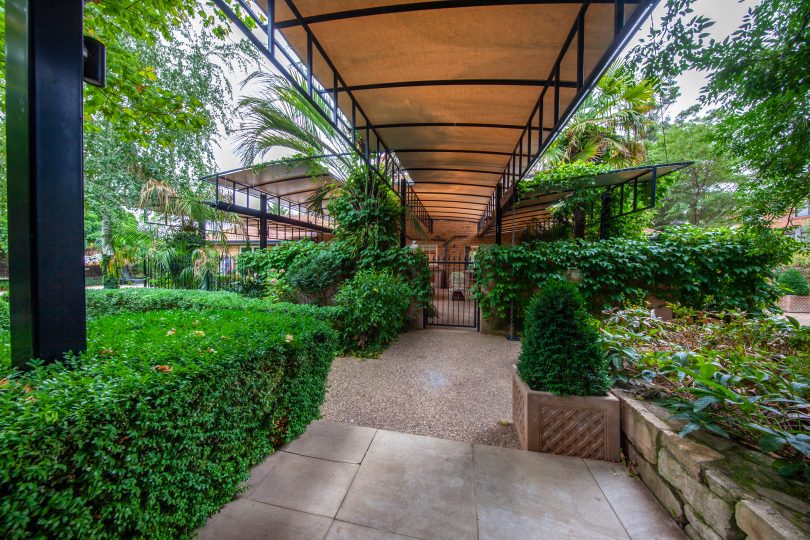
x: 759, y: 84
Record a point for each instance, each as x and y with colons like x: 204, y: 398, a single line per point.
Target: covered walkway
x: 347, y: 482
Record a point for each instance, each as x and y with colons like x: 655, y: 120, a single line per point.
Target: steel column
x: 263, y: 221
x: 498, y: 214
x: 45, y: 180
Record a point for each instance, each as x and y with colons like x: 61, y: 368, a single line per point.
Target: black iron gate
x: 453, y: 302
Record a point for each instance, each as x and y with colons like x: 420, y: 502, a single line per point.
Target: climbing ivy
x: 700, y: 268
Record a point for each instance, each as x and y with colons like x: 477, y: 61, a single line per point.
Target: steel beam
x: 44, y: 65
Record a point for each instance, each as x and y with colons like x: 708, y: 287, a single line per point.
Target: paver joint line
x: 607, y: 499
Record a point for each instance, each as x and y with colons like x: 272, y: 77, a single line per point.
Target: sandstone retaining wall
x: 713, y: 487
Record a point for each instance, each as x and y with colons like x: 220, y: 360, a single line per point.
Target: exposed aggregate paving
x: 446, y: 383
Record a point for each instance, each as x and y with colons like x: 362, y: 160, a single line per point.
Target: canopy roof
x: 635, y: 187
x: 465, y: 93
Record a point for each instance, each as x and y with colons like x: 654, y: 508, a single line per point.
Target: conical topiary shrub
x: 561, y: 351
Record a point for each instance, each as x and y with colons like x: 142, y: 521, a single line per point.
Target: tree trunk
x: 579, y: 221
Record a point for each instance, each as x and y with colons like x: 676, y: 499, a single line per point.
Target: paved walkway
x: 446, y: 383
x: 347, y: 482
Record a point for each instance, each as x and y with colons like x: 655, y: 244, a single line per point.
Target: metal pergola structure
x: 274, y: 192
x: 460, y: 96
x: 623, y: 192
x: 451, y: 101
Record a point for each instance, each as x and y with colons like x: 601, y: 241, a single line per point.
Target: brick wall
x: 451, y: 238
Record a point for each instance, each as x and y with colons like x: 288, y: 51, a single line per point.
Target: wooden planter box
x: 793, y: 303
x: 581, y: 426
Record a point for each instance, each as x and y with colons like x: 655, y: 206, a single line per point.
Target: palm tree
x: 611, y: 125
x: 280, y: 116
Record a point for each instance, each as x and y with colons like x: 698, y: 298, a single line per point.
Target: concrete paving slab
x: 244, y: 519
x: 416, y: 486
x: 533, y: 495
x: 312, y: 485
x: 640, y: 513
x: 348, y: 531
x: 333, y: 441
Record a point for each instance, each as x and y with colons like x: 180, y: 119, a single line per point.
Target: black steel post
x: 403, y: 219
x: 45, y: 193
x: 604, y: 217
x: 498, y: 214
x: 263, y: 221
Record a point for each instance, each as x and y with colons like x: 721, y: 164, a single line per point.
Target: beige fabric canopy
x: 450, y: 85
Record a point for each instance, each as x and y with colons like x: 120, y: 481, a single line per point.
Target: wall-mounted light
x: 95, y: 62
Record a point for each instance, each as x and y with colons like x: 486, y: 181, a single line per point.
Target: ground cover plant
x: 732, y: 374
x: 701, y: 268
x: 154, y: 427
x: 561, y: 351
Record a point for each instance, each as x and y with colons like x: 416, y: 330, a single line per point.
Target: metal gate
x: 453, y: 302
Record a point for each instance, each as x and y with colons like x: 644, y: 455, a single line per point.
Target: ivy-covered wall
x: 714, y: 269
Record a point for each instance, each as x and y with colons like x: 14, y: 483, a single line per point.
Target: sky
x: 727, y: 14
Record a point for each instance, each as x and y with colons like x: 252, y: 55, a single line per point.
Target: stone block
x: 692, y: 455
x: 722, y: 485
x: 641, y: 426
x: 657, y: 485
x: 702, y: 530
x: 761, y: 522
x: 716, y: 512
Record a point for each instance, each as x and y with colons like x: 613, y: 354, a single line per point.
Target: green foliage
x: 264, y: 262
x: 571, y: 175
x: 561, y: 350
x: 373, y: 307
x: 726, y: 372
x: 5, y: 314
x: 408, y: 264
x: 793, y: 282
x: 103, y: 302
x: 320, y: 272
x: 611, y: 124
x: 154, y: 427
x: 722, y: 268
x: 758, y: 84
x: 704, y: 193
x: 367, y: 212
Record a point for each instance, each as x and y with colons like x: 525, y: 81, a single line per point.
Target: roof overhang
x: 634, y: 188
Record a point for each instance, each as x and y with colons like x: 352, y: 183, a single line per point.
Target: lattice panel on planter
x: 795, y: 304
x: 572, y: 432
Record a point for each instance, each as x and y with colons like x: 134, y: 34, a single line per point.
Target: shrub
x: 316, y: 273
x: 793, y: 282
x: 154, y: 427
x: 716, y: 269
x: 373, y: 307
x: 561, y: 351
x: 262, y: 262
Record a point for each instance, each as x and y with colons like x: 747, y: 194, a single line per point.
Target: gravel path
x: 451, y: 384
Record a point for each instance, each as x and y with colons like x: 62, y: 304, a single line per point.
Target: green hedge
x: 154, y: 427
x: 707, y: 269
x: 109, y: 302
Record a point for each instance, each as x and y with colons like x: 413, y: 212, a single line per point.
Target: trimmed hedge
x: 109, y: 302
x: 154, y: 427
x: 562, y: 351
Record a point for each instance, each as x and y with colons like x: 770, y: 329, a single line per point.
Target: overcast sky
x: 727, y: 15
